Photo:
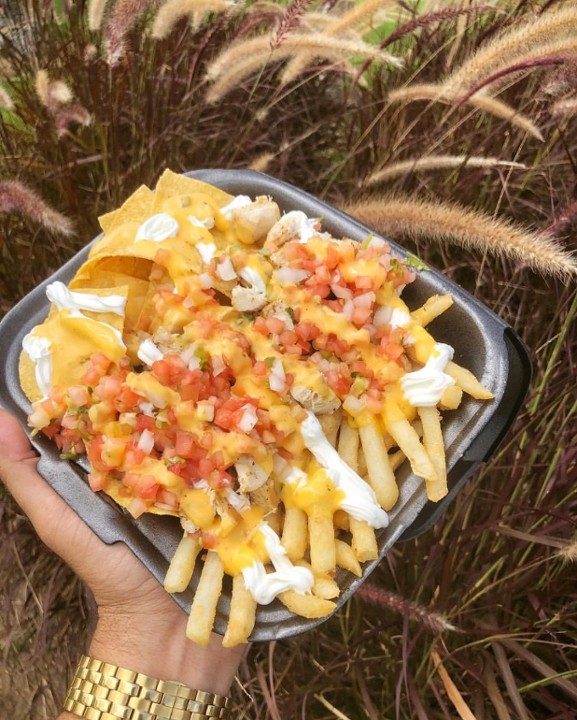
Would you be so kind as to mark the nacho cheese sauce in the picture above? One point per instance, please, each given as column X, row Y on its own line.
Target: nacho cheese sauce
column 206, row 347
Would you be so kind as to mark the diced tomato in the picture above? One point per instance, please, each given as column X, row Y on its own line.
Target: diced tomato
column 98, row 365
column 307, row 330
column 361, row 316
column 260, row 369
column 145, row 422
column 338, row 384
column 97, row 481
column 108, row 387
column 275, row 325
column 126, row 400
column 186, row 444
column 333, row 257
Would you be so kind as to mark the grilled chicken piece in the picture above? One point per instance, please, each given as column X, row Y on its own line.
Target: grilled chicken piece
column 314, row 401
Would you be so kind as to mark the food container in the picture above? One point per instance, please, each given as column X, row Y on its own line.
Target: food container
column 483, row 343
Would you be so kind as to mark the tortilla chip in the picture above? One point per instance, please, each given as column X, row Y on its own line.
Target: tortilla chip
column 172, row 184
column 114, row 490
column 136, row 209
column 27, row 375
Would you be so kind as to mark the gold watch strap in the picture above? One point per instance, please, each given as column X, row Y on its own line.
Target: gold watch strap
column 102, row 691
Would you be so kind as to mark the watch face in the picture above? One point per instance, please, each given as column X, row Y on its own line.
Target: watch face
column 482, row 342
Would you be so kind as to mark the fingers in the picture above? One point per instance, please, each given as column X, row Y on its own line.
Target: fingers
column 45, row 508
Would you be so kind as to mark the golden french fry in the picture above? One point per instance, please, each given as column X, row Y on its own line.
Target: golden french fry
column 451, row 398
column 364, row 543
column 242, row 614
column 380, row 474
column 203, row 609
column 435, row 447
column 467, row 381
column 322, row 542
column 325, row 587
column 408, row 441
column 346, row 558
column 308, row 606
column 295, row 533
column 433, row 307
column 348, row 446
column 181, row 566
column 397, row 459
column 330, row 424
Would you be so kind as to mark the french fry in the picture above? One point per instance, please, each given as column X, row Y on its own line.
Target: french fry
column 295, row 533
column 467, row 381
column 364, row 543
column 308, row 606
column 181, row 566
column 451, row 398
column 322, row 543
column 408, row 440
column 433, row 307
column 330, row 424
column 203, row 609
column 435, row 447
column 242, row 614
column 346, row 558
column 325, row 587
column 381, row 477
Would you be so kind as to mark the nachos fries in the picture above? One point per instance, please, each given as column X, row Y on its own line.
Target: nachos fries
column 256, row 378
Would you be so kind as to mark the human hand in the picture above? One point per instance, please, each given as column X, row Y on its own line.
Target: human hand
column 139, row 626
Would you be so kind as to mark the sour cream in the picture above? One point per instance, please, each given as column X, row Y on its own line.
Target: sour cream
column 236, row 203
column 157, row 228
column 66, row 299
column 39, row 350
column 265, row 586
column 360, row 500
column 424, row 387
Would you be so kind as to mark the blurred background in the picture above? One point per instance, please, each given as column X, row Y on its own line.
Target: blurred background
column 447, row 126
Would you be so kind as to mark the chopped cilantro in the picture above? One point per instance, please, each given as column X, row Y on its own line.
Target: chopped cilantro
column 367, row 241
column 415, row 263
column 291, row 313
column 269, row 361
column 202, row 354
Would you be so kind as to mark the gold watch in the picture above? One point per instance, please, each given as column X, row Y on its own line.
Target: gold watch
column 102, row 691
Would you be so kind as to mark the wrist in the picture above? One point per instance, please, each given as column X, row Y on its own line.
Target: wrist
column 159, row 647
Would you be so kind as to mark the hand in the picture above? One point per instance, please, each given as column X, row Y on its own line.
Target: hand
column 139, row 625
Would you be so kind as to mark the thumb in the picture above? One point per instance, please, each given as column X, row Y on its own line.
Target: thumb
column 18, row 462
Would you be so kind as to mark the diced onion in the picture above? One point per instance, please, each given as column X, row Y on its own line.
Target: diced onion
column 277, row 378
column 348, row 309
column 365, row 300
column 205, row 281
column 136, row 507
column 225, row 269
column 343, row 293
column 248, row 419
column 382, row 315
column 218, row 365
column 146, row 442
column 205, row 411
column 354, row 405
column 291, row 276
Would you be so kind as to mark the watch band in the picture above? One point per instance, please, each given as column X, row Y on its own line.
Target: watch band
column 102, row 691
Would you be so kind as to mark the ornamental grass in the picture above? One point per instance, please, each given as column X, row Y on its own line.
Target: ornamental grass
column 453, row 129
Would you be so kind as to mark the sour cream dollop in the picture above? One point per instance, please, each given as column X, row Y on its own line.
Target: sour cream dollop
column 236, row 203
column 39, row 350
column 157, row 228
column 360, row 500
column 263, row 586
column 424, row 387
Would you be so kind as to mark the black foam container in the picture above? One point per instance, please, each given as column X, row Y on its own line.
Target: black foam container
column 483, row 343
